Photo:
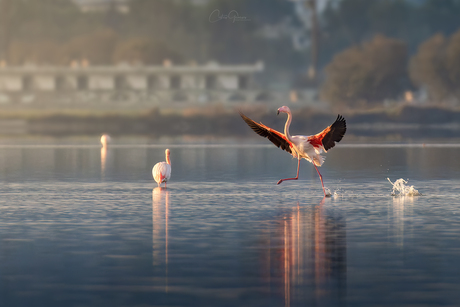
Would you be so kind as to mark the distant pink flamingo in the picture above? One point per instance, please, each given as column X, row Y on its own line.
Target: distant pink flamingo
column 301, row 146
column 161, row 172
column 105, row 140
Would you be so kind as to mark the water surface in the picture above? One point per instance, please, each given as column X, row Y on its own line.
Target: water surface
column 81, row 226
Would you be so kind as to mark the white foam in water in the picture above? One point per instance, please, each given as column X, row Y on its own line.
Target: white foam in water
column 337, row 194
column 328, row 192
column 401, row 189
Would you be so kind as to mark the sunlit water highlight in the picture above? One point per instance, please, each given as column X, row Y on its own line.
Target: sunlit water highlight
column 81, row 226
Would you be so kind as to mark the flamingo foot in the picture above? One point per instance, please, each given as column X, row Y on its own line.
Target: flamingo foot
column 281, row 180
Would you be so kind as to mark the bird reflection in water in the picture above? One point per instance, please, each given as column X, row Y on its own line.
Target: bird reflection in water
column 307, row 256
column 103, row 160
column 160, row 217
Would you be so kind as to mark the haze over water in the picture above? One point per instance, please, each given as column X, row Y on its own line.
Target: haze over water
column 80, row 226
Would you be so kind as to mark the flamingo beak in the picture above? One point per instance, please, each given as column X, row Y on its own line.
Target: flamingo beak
column 277, row 112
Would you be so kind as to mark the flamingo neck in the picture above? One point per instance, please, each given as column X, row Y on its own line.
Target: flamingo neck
column 287, row 125
column 168, row 160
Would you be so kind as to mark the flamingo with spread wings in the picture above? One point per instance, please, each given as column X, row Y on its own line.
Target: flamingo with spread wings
column 302, row 146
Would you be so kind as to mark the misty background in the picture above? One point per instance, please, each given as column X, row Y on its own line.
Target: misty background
column 383, row 61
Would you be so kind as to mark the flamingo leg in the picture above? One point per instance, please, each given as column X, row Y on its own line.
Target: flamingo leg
column 321, row 178
column 297, row 177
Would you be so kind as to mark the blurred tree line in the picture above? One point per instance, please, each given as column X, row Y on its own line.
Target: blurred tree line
column 417, row 31
column 422, row 53
column 367, row 73
column 57, row 32
column 381, row 68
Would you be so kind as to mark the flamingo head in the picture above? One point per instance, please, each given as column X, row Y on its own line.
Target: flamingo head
column 283, row 109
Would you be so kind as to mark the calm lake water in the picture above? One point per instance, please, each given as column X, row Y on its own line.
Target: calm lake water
column 81, row 226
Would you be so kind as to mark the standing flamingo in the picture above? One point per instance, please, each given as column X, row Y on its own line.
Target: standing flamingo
column 105, row 140
column 301, row 146
column 161, row 172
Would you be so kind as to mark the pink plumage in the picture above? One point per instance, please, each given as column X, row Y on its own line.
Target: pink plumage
column 308, row 147
column 105, row 140
column 161, row 172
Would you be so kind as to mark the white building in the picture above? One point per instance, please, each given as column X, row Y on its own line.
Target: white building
column 121, row 6
column 128, row 85
column 139, row 87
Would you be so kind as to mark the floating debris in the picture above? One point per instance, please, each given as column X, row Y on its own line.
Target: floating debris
column 401, row 189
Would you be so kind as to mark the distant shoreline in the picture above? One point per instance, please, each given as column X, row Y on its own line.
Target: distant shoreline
column 408, row 121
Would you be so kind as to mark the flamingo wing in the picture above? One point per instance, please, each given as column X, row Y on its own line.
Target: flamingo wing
column 332, row 134
column 161, row 172
column 274, row 136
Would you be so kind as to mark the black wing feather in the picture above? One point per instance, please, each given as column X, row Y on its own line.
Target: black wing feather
column 261, row 130
column 336, row 132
